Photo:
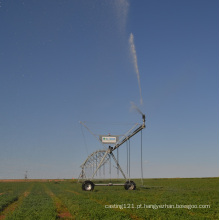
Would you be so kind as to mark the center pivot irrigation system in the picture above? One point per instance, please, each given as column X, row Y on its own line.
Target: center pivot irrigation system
column 99, row 158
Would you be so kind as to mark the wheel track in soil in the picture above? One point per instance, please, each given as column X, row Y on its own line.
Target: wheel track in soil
column 73, row 192
column 62, row 210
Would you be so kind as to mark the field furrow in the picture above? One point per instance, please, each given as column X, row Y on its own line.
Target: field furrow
column 35, row 205
column 11, row 193
column 61, row 209
column 10, row 208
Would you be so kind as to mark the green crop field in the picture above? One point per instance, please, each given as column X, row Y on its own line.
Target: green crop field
column 190, row 198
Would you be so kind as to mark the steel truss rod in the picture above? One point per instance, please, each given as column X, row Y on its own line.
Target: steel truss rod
column 90, row 161
column 106, row 153
column 82, row 175
column 131, row 135
column 101, row 163
column 92, row 133
column 118, row 166
column 125, row 135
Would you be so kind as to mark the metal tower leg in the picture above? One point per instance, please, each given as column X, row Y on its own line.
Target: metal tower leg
column 118, row 165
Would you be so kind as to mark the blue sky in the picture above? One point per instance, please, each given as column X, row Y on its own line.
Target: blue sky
column 66, row 61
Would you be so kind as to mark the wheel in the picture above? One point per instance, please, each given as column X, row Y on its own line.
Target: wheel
column 88, row 185
column 130, row 185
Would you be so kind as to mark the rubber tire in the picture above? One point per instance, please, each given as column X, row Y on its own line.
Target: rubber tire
column 88, row 185
column 130, row 185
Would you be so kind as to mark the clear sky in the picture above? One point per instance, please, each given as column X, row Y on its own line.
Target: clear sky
column 65, row 61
